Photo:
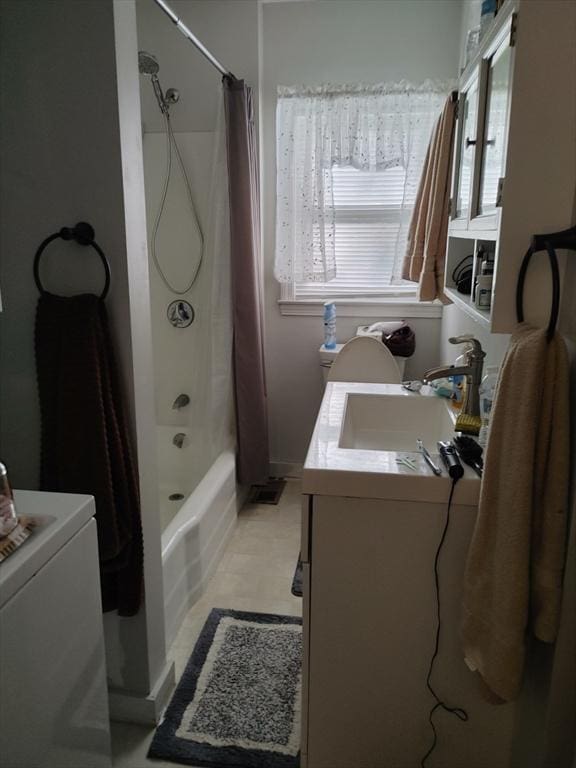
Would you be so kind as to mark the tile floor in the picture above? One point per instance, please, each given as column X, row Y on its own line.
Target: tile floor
column 255, row 574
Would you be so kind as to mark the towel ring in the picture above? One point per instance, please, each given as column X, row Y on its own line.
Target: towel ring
column 563, row 240
column 83, row 234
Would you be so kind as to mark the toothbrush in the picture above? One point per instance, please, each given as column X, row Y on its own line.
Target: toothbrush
column 428, row 458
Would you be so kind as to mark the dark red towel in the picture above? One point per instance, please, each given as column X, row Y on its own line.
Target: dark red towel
column 86, row 444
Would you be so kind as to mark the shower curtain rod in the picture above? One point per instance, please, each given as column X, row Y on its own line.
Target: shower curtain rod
column 193, row 39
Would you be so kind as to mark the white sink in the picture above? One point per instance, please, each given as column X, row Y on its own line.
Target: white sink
column 380, row 422
column 362, row 436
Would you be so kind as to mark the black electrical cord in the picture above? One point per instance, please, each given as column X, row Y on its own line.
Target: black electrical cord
column 461, row 267
column 458, row 711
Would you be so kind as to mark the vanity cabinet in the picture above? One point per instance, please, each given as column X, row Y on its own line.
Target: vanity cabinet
column 369, row 628
column 514, row 165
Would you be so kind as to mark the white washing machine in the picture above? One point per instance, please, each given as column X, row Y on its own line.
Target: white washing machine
column 53, row 693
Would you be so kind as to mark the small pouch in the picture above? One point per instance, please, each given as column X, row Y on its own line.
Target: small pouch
column 401, row 342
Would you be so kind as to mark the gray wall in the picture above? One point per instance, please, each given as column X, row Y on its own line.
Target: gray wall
column 60, row 163
column 337, row 41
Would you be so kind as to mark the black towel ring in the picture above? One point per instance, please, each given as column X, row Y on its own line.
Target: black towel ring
column 83, row 234
column 565, row 240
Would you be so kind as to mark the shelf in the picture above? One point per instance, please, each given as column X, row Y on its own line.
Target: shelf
column 465, row 303
column 473, row 234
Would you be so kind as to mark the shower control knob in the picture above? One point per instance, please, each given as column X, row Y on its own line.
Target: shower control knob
column 181, row 402
column 172, row 95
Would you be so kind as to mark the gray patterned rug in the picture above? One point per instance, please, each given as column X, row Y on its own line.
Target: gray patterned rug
column 238, row 702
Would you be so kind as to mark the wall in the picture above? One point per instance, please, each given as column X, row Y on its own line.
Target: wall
column 50, row 180
column 65, row 158
column 176, row 350
column 335, row 41
column 228, row 28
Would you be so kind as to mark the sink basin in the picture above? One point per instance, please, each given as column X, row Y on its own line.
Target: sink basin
column 377, row 422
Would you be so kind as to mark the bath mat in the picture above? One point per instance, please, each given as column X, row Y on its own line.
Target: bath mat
column 238, row 702
column 297, row 580
column 269, row 493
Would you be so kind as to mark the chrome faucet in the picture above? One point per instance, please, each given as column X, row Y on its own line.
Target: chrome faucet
column 180, row 402
column 178, row 439
column 472, row 370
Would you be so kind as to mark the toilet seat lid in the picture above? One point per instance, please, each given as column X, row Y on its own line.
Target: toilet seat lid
column 365, row 359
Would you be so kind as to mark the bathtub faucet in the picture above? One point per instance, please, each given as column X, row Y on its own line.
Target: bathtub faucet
column 178, row 439
column 180, row 402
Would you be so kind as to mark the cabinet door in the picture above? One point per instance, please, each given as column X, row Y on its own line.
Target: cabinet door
column 372, row 622
column 495, row 85
column 494, row 140
column 464, row 154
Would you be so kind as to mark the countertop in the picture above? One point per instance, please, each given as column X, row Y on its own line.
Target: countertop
column 334, row 471
column 59, row 517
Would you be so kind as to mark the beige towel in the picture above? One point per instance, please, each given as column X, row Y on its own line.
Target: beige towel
column 513, row 577
column 426, row 248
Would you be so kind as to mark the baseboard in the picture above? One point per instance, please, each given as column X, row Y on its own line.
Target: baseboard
column 127, row 707
column 242, row 493
column 285, row 469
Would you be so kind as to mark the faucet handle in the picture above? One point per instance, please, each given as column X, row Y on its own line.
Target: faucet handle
column 467, row 338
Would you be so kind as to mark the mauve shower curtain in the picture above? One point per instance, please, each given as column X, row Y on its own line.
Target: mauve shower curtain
column 248, row 355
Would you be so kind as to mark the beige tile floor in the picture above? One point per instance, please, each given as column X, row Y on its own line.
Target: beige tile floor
column 255, row 574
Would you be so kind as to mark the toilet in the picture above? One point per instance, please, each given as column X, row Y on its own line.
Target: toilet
column 363, row 359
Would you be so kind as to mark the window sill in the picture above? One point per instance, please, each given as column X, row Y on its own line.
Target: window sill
column 404, row 308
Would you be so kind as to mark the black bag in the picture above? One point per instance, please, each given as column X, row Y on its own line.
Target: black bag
column 401, row 342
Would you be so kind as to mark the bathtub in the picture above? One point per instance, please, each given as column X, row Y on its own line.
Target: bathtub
column 195, row 538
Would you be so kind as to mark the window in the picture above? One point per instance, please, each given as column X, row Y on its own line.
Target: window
column 371, row 223
column 348, row 163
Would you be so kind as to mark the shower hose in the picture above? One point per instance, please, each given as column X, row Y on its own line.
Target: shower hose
column 170, row 145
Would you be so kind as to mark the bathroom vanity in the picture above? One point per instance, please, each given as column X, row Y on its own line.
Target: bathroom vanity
column 370, row 531
column 53, row 694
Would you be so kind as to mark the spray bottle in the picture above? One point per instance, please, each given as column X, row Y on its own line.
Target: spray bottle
column 329, row 325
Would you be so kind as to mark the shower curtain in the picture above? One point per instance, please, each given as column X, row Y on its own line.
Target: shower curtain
column 211, row 410
column 248, row 356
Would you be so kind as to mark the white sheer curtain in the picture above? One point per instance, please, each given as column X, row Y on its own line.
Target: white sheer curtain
column 369, row 127
column 212, row 407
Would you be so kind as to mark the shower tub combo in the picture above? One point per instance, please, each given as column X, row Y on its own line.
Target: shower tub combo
column 194, row 539
column 189, row 265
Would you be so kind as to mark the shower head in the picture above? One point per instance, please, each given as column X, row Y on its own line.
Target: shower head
column 147, row 63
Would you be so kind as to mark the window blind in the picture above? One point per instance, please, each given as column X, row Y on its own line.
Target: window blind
column 371, row 215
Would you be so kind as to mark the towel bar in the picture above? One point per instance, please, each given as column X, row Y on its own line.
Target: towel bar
column 565, row 240
column 83, row 234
